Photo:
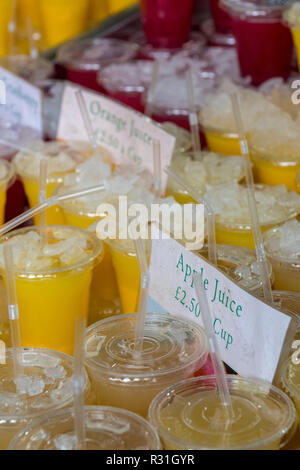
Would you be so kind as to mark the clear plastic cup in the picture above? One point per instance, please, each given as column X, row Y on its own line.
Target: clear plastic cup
column 218, row 141
column 290, row 382
column 167, row 23
column 62, row 157
column 264, row 43
column 282, row 249
column 53, row 282
column 106, row 429
column 127, row 82
column 82, row 59
column 190, row 416
column 61, row 21
column 240, row 264
column 46, row 387
column 31, row 70
column 99, row 11
column 173, row 349
column 6, row 16
column 7, row 178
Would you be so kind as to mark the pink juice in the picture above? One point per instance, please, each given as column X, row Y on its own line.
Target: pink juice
column 263, row 42
column 222, row 19
column 167, row 23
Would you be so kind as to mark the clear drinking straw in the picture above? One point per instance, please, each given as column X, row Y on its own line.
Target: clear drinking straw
column 52, row 201
column 13, row 312
column 42, row 199
column 86, row 118
column 78, row 384
column 211, row 228
column 151, row 90
column 193, row 117
column 143, row 300
column 222, row 384
column 259, row 246
column 157, row 169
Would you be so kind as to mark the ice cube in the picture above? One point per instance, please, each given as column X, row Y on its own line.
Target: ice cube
column 11, row 403
column 55, row 372
column 30, row 385
column 65, row 442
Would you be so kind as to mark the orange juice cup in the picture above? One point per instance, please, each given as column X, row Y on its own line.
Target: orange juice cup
column 46, row 386
column 107, row 428
column 53, row 285
column 61, row 21
column 285, row 259
column 226, row 143
column 62, row 159
column 173, row 349
column 7, row 176
column 6, row 8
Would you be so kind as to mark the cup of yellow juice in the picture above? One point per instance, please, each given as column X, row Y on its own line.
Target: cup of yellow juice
column 62, row 158
column 106, row 428
column 275, row 205
column 98, row 11
column 6, row 16
column 173, row 348
column 191, row 416
column 53, row 282
column 212, row 169
column 61, row 21
column 282, row 245
column 45, row 387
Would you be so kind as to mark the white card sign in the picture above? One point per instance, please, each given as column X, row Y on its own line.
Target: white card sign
column 22, row 103
column 250, row 333
column 126, row 134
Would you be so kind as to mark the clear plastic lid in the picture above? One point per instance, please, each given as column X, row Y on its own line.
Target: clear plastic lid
column 31, row 70
column 170, row 345
column 130, row 77
column 257, row 8
column 107, row 428
column 283, row 243
column 68, row 248
column 190, row 415
column 18, row 135
column 45, row 386
column 92, row 54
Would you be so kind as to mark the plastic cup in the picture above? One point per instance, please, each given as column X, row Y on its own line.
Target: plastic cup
column 127, row 82
column 82, row 59
column 218, row 141
column 98, row 11
column 7, row 176
column 6, row 16
column 291, row 17
column 221, row 18
column 290, row 382
column 279, row 166
column 286, row 264
column 166, row 22
column 65, row 157
column 104, row 298
column 173, row 349
column 106, row 428
column 263, row 42
column 117, row 5
column 241, row 266
column 61, row 21
column 54, row 288
column 47, row 385
column 190, row 416
column 31, row 70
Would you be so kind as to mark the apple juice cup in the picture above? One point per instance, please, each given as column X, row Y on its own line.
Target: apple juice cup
column 62, row 160
column 7, row 177
column 282, row 246
column 185, row 416
column 53, row 282
column 107, row 428
column 173, row 349
column 46, row 387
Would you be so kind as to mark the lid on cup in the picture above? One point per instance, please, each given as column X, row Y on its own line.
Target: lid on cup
column 18, row 135
column 283, row 243
column 127, row 77
column 31, row 70
column 92, row 54
column 171, row 345
column 190, row 415
column 107, row 428
column 256, row 8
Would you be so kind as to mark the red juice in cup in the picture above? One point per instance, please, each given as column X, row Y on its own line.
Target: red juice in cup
column 82, row 59
column 221, row 17
column 264, row 43
column 167, row 22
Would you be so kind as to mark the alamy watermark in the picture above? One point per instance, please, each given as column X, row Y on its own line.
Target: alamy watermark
column 134, row 221
column 2, row 92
